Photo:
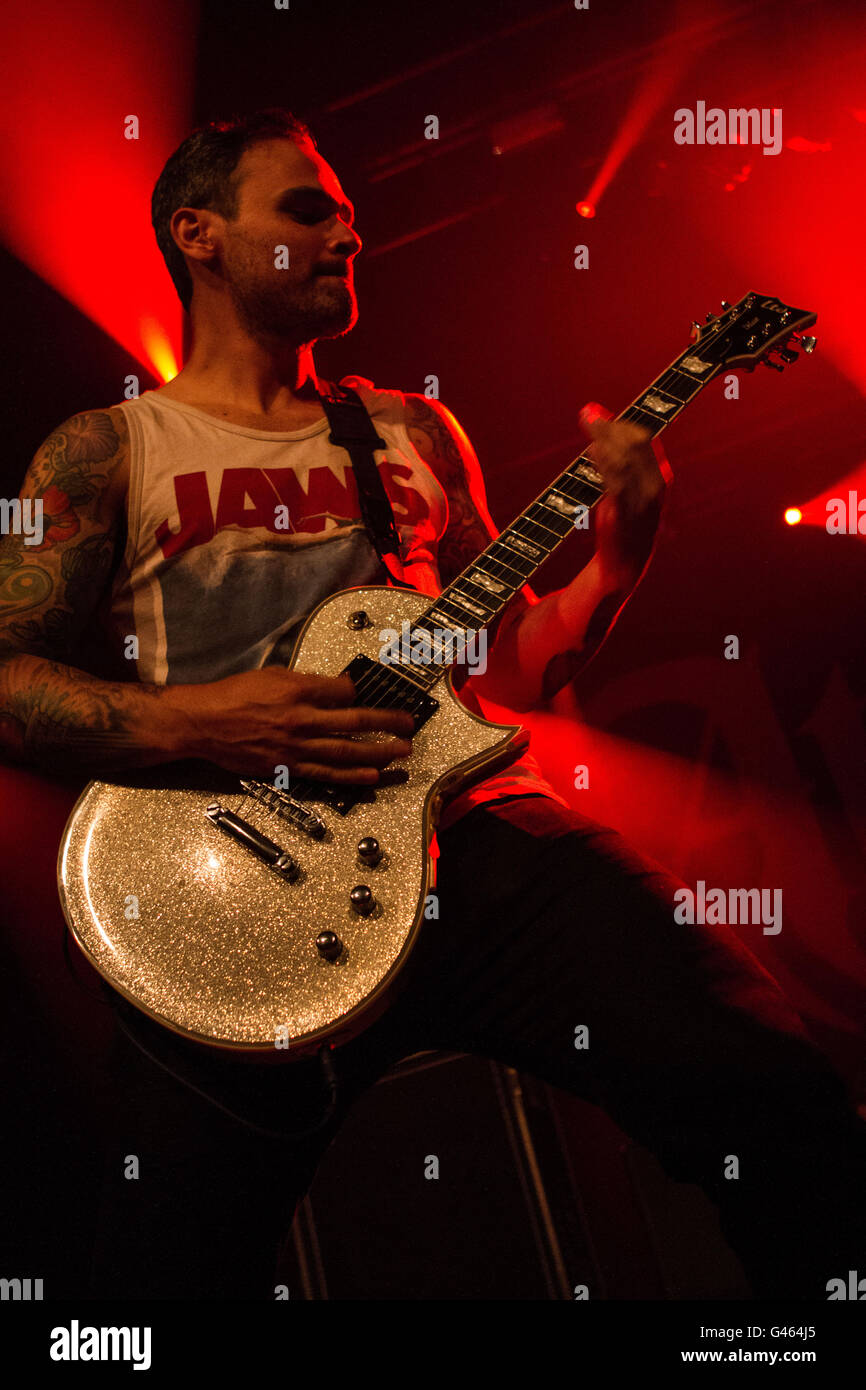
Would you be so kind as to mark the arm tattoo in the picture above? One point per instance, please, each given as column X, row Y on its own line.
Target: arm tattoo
column 63, row 720
column 563, row 667
column 465, row 535
column 58, row 709
column 84, row 570
column 64, row 477
column 66, row 459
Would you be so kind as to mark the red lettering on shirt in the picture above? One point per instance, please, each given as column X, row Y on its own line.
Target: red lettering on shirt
column 194, row 514
column 237, row 485
column 248, row 497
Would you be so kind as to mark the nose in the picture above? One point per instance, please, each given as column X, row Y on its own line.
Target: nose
column 346, row 240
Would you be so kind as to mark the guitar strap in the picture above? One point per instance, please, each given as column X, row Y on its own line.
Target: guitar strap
column 353, row 430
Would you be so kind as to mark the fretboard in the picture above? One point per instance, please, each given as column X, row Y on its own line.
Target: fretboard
column 472, row 600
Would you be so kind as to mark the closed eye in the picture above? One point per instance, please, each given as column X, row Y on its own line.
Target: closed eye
column 309, row 205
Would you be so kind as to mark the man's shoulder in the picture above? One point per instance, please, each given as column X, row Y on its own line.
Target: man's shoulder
column 433, row 431
column 410, row 403
column 95, row 434
column 94, row 442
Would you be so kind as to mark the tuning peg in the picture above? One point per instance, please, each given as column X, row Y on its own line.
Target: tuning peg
column 710, row 316
column 808, row 344
column 725, row 306
column 777, row 366
column 788, row 354
column 695, row 334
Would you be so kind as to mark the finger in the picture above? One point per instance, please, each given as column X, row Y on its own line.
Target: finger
column 357, row 719
column 592, row 416
column 328, row 691
column 349, row 752
column 345, row 776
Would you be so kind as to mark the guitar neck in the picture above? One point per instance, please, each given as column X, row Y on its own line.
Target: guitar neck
column 472, row 600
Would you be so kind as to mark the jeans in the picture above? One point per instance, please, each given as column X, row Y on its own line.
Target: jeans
column 547, row 923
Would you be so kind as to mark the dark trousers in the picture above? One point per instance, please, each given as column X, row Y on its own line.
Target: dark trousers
column 547, row 923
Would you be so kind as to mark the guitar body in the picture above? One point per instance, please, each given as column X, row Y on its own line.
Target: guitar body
column 197, row 929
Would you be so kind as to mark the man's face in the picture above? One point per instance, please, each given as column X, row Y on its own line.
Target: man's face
column 288, row 196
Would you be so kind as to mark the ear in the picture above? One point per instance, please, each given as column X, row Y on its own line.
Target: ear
column 195, row 232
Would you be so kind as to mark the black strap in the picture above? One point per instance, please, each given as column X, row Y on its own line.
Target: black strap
column 353, row 430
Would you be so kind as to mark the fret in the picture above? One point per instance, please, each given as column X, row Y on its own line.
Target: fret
column 673, row 388
column 644, row 417
column 566, row 507
column 688, row 374
column 483, row 580
column 446, row 601
column 696, row 366
column 507, row 561
column 588, row 478
column 659, row 403
column 523, row 548
column 471, row 607
column 534, row 521
column 480, row 594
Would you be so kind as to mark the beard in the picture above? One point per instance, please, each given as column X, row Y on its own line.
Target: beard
column 296, row 313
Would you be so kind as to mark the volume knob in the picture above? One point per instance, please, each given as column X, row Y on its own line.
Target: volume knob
column 362, row 900
column 369, row 850
column 329, row 945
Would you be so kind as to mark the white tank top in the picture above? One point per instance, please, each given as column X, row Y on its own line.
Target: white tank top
column 235, row 534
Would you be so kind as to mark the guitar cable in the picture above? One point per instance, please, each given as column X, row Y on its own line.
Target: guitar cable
column 328, row 1075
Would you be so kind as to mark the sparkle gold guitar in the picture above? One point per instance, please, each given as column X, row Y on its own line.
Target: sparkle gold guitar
column 265, row 919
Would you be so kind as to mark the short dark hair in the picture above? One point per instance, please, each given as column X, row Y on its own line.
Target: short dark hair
column 201, row 174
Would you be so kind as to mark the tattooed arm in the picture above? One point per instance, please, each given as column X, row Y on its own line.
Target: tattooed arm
column 52, row 714
column 539, row 645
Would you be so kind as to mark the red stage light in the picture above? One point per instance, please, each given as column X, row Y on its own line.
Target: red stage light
column 586, row 209
column 793, row 515
column 77, row 206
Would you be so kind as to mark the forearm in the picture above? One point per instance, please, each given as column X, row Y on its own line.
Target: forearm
column 550, row 642
column 60, row 719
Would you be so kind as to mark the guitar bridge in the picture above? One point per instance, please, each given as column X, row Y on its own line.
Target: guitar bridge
column 286, row 807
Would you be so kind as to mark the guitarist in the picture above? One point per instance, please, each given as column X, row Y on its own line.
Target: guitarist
column 161, row 551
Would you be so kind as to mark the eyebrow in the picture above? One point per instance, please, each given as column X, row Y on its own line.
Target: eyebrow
column 347, row 208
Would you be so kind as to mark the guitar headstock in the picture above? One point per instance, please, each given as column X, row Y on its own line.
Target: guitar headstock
column 744, row 334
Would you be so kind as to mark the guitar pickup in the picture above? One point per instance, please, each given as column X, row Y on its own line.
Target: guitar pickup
column 401, row 691
column 245, row 834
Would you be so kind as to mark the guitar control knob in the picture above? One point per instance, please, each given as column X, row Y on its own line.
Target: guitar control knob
column 362, row 900
column 358, row 619
column 329, row 945
column 369, row 850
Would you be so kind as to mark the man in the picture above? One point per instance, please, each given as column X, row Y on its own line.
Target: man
column 162, row 525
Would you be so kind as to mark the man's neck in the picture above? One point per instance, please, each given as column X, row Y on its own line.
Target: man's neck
column 248, row 378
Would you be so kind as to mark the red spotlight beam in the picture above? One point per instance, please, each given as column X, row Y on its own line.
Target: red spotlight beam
column 664, row 71
column 78, row 189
